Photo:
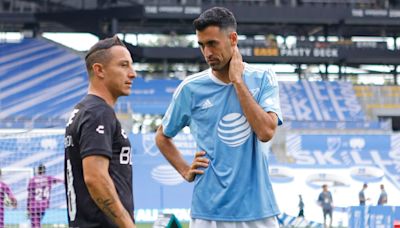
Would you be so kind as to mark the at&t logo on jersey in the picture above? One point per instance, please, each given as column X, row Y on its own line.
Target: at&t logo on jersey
column 234, row 129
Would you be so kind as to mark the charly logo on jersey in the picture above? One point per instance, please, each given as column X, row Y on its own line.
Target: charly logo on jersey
column 100, row 129
column 233, row 129
column 123, row 134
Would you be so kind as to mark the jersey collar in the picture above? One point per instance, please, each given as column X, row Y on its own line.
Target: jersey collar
column 218, row 81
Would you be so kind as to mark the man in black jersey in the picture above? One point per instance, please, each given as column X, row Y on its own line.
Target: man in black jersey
column 98, row 168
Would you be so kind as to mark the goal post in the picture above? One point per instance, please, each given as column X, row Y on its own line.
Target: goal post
column 21, row 152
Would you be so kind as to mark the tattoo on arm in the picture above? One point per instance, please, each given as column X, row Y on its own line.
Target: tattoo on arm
column 105, row 205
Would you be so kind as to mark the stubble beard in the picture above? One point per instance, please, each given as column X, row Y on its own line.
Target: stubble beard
column 217, row 67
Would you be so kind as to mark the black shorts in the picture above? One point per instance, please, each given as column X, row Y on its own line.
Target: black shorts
column 327, row 211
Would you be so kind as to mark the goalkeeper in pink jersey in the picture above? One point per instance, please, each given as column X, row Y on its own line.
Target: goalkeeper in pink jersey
column 5, row 190
column 39, row 189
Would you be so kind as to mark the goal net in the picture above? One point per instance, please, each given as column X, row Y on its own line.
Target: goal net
column 21, row 155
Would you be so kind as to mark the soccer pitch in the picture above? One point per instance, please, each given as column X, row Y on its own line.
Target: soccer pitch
column 138, row 225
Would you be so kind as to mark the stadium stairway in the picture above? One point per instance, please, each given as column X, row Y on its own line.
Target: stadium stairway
column 286, row 220
column 40, row 81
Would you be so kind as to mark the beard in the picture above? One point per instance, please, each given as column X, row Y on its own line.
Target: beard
column 216, row 65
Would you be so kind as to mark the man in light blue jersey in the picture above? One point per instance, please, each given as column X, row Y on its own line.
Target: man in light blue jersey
column 231, row 109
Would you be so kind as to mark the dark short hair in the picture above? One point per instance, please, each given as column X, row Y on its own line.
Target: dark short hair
column 98, row 53
column 41, row 169
column 216, row 16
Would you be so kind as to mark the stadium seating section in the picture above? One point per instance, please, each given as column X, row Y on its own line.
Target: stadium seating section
column 41, row 81
column 378, row 97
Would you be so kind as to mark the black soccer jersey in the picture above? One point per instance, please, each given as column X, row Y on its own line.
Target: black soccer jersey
column 93, row 129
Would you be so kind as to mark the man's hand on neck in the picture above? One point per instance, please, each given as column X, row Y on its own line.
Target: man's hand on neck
column 236, row 67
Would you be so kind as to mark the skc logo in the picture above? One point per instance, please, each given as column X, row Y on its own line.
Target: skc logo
column 234, row 129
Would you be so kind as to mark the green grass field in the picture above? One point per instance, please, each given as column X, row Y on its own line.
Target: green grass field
column 138, row 225
column 150, row 225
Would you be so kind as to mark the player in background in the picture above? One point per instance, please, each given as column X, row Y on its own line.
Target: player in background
column 39, row 189
column 232, row 108
column 5, row 191
column 362, row 195
column 325, row 200
column 383, row 197
column 301, row 207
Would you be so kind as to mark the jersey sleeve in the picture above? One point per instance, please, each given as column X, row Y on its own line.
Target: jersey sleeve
column 31, row 191
column 54, row 180
column 320, row 199
column 269, row 100
column 7, row 190
column 97, row 130
column 178, row 114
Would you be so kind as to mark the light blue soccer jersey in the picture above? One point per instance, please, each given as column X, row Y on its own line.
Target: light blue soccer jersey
column 236, row 185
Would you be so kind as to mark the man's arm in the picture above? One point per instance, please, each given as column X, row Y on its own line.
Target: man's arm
column 321, row 199
column 361, row 196
column 174, row 157
column 30, row 194
column 263, row 123
column 102, row 190
column 55, row 180
column 11, row 196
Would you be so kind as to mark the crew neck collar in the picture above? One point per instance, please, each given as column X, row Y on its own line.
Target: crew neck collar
column 218, row 81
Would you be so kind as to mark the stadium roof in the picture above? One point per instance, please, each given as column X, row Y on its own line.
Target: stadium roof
column 254, row 17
